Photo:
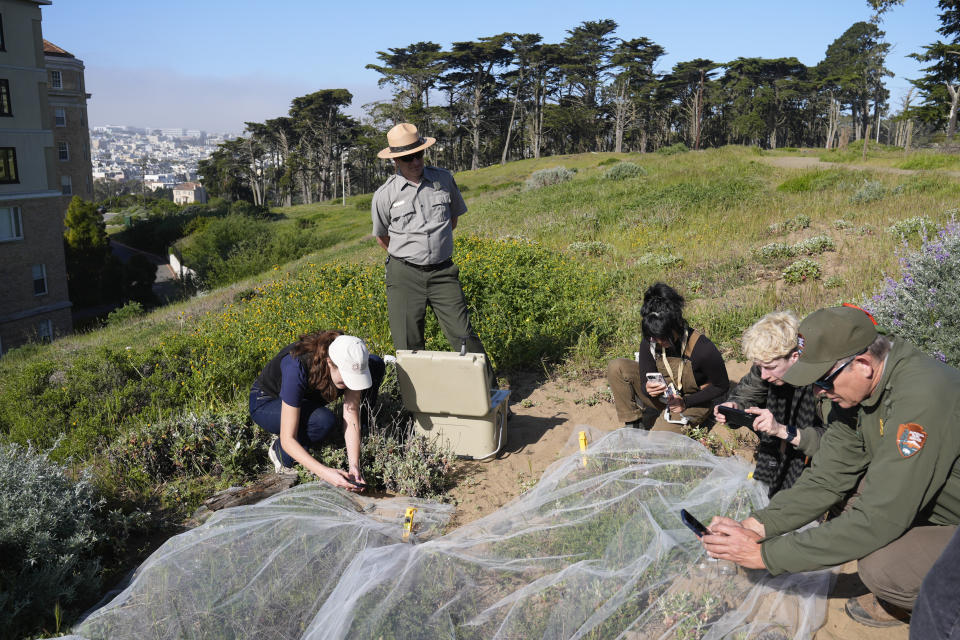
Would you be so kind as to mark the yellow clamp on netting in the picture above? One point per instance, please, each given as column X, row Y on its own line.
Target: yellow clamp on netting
column 750, row 476
column 408, row 522
column 583, row 445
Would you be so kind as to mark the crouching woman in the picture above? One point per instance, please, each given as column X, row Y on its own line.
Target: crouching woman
column 290, row 397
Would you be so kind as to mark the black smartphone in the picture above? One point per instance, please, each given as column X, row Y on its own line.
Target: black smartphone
column 692, row 523
column 736, row 417
column 357, row 484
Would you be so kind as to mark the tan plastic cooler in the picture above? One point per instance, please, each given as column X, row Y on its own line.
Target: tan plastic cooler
column 450, row 397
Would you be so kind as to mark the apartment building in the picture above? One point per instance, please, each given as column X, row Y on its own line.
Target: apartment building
column 34, row 303
column 67, row 97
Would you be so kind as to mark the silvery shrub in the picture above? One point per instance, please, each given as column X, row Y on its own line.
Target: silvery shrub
column 923, row 304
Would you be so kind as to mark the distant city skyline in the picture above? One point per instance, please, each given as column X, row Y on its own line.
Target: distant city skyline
column 215, row 64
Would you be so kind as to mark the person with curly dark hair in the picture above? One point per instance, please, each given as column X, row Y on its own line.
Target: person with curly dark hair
column 290, row 396
column 687, row 375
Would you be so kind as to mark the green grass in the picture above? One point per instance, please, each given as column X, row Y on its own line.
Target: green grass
column 930, row 161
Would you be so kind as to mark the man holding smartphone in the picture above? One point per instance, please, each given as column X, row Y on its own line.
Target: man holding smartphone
column 893, row 439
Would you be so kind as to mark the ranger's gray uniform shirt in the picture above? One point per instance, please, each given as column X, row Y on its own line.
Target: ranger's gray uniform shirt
column 418, row 217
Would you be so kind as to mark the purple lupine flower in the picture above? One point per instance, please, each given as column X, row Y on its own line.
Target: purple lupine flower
column 937, row 324
column 939, row 355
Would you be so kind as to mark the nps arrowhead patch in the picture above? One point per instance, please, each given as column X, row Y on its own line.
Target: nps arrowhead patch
column 910, row 439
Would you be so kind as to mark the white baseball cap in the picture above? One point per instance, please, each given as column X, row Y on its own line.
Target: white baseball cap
column 352, row 359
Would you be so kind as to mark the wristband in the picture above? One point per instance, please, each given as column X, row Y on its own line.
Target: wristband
column 791, row 433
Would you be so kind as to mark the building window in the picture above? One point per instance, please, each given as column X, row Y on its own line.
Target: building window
column 45, row 331
column 11, row 224
column 56, row 80
column 8, row 165
column 6, row 108
column 63, row 151
column 66, row 185
column 60, row 116
column 3, row 41
column 39, row 279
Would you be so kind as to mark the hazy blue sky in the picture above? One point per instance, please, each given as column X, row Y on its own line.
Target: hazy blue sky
column 212, row 64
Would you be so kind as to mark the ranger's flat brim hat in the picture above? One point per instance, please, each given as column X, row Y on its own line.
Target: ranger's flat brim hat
column 826, row 336
column 404, row 139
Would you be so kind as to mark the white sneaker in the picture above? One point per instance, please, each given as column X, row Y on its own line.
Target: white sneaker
column 274, row 454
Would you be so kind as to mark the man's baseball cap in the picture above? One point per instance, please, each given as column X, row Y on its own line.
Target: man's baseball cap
column 352, row 358
column 826, row 336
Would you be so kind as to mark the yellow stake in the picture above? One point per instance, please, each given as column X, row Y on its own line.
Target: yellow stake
column 583, row 445
column 408, row 522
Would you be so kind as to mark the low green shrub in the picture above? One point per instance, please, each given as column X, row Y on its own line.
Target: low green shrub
column 802, row 270
column 590, row 248
column 234, row 247
column 661, row 260
column 249, row 210
column 407, row 463
column 833, row 282
column 528, row 304
column 923, row 303
column 796, row 223
column 607, row 162
column 775, row 251
column 51, row 526
column 125, row 313
column 223, row 442
column 673, row 149
column 919, row 225
column 871, row 191
column 548, row 177
column 623, row 171
column 815, row 245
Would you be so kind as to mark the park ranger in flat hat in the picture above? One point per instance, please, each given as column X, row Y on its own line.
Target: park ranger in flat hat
column 893, row 437
column 414, row 215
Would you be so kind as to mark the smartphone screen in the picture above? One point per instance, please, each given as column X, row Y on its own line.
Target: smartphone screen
column 693, row 524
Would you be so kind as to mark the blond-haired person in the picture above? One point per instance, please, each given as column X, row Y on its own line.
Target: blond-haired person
column 788, row 419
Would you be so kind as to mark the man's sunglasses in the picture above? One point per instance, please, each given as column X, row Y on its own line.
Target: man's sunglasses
column 411, row 157
column 826, row 382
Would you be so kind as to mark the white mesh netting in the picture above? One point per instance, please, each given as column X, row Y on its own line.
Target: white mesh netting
column 595, row 550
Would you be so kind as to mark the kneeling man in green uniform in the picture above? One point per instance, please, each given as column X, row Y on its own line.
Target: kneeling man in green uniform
column 893, row 437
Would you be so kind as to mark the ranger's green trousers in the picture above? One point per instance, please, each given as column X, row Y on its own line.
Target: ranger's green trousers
column 410, row 290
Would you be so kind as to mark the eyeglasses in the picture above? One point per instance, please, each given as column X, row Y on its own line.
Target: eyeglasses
column 826, row 382
column 411, row 157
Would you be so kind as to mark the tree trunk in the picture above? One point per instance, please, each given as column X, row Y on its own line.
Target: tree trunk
column 833, row 121
column 866, row 137
column 954, row 99
column 513, row 115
